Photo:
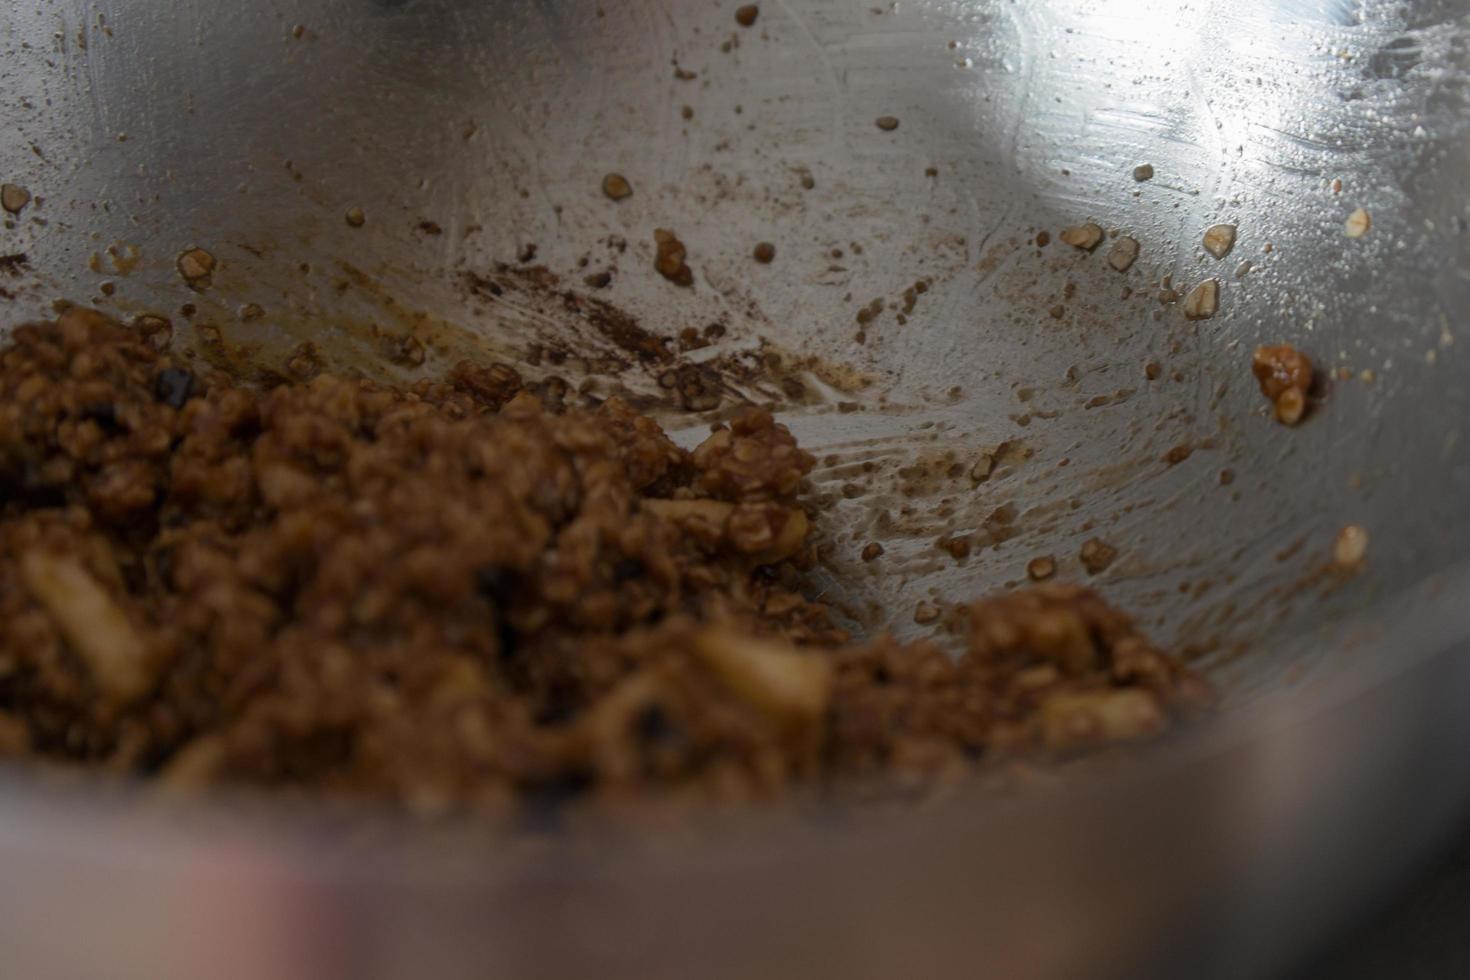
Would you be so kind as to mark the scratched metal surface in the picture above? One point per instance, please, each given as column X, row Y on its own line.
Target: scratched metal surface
column 251, row 133
column 250, row 130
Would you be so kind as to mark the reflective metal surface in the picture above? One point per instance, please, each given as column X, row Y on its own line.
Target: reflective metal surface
column 469, row 131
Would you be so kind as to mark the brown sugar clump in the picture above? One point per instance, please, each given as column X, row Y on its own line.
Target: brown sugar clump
column 196, row 266
column 616, row 186
column 1097, row 556
column 958, row 547
column 1285, row 376
column 670, row 258
column 14, row 198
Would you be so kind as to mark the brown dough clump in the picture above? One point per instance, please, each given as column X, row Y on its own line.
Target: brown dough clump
column 452, row 599
column 1285, row 376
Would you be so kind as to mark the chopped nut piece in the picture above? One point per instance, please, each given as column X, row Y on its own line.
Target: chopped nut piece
column 887, row 123
column 670, row 260
column 1351, row 547
column 764, row 253
column 1143, row 172
column 1097, row 555
column 1041, row 569
column 1219, row 240
column 872, row 552
column 196, row 266
column 616, row 186
column 1357, row 224
column 92, row 623
column 1285, row 376
column 982, row 469
column 925, row 613
column 1075, row 721
column 1085, row 237
column 14, row 198
column 1123, row 254
column 1203, row 301
column 746, row 16
column 1291, row 406
column 781, row 680
column 356, row 217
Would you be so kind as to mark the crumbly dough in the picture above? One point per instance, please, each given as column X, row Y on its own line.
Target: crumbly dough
column 452, row 598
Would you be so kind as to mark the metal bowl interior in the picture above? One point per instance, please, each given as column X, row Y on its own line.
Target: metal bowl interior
column 470, row 132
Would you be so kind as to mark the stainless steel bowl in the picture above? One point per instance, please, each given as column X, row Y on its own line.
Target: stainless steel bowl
column 469, row 131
